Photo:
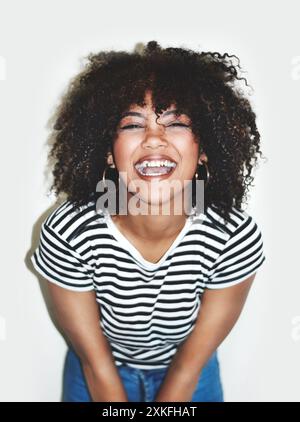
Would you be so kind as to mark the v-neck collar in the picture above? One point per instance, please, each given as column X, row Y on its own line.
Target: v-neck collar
column 134, row 251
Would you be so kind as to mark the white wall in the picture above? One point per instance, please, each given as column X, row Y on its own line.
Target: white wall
column 41, row 47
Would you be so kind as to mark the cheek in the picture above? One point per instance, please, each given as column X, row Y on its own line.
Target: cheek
column 189, row 154
column 186, row 145
column 123, row 154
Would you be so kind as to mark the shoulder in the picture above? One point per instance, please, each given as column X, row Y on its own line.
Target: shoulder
column 63, row 256
column 69, row 221
column 238, row 227
column 238, row 232
column 239, row 250
column 227, row 226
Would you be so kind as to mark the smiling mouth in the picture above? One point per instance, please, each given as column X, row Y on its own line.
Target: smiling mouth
column 155, row 168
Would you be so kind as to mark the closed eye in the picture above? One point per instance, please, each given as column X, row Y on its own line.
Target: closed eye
column 178, row 124
column 137, row 126
column 129, row 126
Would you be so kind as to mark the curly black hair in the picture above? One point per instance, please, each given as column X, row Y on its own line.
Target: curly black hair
column 203, row 85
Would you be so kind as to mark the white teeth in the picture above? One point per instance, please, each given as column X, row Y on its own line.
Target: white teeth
column 166, row 164
column 156, row 163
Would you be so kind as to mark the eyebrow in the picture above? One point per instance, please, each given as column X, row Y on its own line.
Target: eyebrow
column 135, row 113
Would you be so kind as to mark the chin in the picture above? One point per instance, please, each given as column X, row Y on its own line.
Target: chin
column 145, row 203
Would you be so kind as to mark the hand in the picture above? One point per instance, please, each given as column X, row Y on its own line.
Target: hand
column 177, row 387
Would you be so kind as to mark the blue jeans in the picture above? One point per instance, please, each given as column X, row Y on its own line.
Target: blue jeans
column 141, row 385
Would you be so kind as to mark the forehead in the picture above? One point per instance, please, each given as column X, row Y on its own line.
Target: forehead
column 140, row 112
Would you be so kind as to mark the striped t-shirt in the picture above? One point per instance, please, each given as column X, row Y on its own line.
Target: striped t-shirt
column 147, row 309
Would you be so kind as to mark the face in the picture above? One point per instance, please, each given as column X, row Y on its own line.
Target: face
column 156, row 158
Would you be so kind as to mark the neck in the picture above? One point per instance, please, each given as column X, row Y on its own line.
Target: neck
column 155, row 224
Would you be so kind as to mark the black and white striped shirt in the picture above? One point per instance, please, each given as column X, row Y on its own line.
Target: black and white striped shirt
column 147, row 309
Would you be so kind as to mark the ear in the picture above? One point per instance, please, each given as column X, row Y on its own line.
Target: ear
column 202, row 157
column 109, row 159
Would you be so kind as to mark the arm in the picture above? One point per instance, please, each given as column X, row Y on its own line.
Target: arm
column 77, row 314
column 219, row 311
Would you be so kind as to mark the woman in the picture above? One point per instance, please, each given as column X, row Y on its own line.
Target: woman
column 145, row 298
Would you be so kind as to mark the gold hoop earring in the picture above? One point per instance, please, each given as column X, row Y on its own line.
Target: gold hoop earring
column 207, row 173
column 103, row 176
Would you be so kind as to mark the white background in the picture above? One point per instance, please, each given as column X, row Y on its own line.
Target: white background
column 42, row 44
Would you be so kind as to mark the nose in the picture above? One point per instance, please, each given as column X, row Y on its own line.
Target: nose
column 155, row 137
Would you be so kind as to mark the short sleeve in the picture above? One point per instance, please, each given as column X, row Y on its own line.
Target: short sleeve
column 242, row 255
column 57, row 261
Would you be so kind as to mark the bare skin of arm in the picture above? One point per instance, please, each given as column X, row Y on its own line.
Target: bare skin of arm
column 219, row 311
column 78, row 314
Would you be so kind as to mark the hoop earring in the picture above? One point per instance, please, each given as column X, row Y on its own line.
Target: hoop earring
column 103, row 177
column 207, row 173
